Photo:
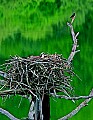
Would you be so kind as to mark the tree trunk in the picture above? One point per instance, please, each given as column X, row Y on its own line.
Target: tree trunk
column 46, row 108
column 39, row 110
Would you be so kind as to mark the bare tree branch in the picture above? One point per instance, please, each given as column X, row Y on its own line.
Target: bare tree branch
column 72, row 98
column 74, row 37
column 9, row 115
column 75, row 111
column 31, row 111
column 11, row 91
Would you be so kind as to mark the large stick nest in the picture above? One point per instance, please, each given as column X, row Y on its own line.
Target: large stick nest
column 44, row 74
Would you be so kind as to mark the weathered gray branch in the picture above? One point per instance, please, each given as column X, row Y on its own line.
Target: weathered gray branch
column 74, row 37
column 83, row 104
column 38, row 108
column 72, row 98
column 11, row 91
column 31, row 111
column 9, row 115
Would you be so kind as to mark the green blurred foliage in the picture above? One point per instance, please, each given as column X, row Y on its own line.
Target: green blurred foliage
column 34, row 18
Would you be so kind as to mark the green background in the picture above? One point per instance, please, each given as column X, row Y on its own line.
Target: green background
column 29, row 27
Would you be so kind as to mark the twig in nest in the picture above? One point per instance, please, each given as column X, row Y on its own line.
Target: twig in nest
column 40, row 75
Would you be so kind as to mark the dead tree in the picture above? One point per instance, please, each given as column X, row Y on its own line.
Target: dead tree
column 41, row 77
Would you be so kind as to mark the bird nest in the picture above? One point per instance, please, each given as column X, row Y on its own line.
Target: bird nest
column 44, row 74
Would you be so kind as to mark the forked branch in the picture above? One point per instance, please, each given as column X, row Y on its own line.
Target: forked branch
column 74, row 38
column 77, row 109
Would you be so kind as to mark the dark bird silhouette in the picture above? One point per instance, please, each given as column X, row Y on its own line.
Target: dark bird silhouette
column 72, row 17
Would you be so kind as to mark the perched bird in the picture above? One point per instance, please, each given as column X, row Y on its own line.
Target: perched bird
column 42, row 55
column 72, row 17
